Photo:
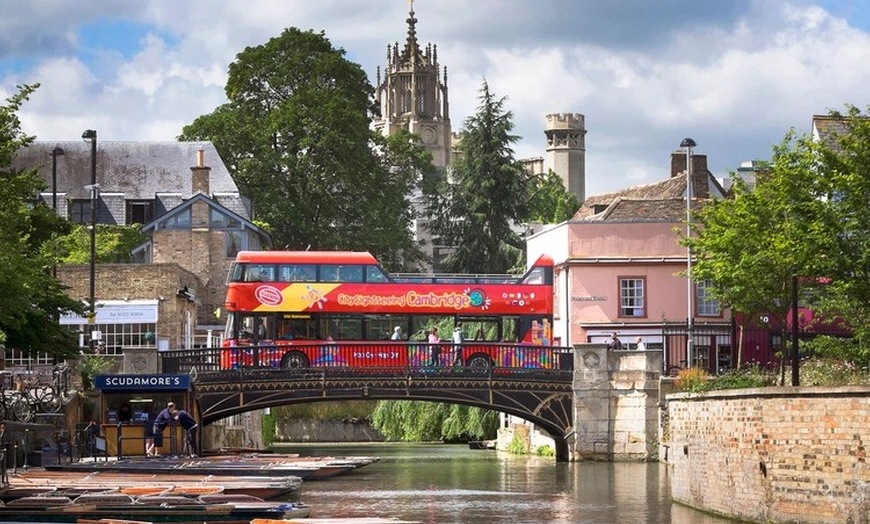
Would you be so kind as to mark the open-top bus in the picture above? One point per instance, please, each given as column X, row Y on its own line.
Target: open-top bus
column 325, row 308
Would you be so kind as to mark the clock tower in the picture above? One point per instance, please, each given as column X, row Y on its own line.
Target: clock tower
column 412, row 95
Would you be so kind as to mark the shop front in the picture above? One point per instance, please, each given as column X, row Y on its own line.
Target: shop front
column 129, row 404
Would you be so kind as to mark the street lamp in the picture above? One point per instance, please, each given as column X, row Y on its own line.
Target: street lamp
column 688, row 144
column 90, row 135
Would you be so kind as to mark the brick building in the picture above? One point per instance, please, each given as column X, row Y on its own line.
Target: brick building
column 195, row 221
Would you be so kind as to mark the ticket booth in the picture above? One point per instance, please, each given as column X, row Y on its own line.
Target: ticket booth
column 129, row 403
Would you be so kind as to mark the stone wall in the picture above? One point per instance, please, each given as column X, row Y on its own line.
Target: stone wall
column 616, row 403
column 773, row 454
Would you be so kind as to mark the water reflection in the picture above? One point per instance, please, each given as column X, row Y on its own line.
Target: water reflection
column 438, row 484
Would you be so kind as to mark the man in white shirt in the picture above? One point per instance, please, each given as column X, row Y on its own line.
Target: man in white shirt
column 640, row 344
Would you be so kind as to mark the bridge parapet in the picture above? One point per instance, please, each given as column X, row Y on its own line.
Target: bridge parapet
column 615, row 403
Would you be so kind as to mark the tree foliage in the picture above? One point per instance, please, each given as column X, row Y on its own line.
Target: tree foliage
column 552, row 203
column 415, row 421
column 31, row 299
column 295, row 135
column 114, row 244
column 487, row 195
column 808, row 216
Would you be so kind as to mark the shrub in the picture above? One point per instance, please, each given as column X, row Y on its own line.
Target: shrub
column 545, row 451
column 517, row 446
column 748, row 377
column 832, row 372
column 692, row 380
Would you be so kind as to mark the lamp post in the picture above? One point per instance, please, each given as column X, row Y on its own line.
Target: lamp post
column 90, row 135
column 56, row 152
column 688, row 144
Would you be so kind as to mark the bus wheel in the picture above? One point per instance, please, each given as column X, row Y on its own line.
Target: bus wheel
column 294, row 360
column 479, row 363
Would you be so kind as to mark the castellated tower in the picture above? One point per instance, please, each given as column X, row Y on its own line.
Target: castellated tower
column 413, row 96
column 566, row 150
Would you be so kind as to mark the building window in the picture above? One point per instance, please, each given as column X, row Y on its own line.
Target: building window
column 80, row 212
column 179, row 220
column 708, row 306
column 218, row 220
column 233, row 243
column 140, row 211
column 632, row 297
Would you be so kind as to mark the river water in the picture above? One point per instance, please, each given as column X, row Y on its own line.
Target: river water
column 453, row 484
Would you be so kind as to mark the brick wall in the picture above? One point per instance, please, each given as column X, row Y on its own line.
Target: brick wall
column 773, row 454
column 138, row 281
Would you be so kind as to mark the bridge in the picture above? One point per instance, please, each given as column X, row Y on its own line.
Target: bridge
column 542, row 395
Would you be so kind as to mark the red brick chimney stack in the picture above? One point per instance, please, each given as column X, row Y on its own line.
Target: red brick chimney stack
column 200, row 175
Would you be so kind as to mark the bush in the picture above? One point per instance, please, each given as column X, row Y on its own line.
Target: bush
column 748, row 377
column 517, row 446
column 545, row 451
column 832, row 372
column 692, row 380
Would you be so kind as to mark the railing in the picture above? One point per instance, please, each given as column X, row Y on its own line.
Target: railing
column 410, row 356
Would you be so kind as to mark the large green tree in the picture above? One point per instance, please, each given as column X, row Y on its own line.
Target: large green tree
column 31, row 298
column 845, row 185
column 807, row 217
column 295, row 135
column 485, row 197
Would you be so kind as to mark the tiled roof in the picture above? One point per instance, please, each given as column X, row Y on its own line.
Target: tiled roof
column 665, row 200
column 139, row 170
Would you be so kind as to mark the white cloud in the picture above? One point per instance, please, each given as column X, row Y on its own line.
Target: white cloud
column 733, row 74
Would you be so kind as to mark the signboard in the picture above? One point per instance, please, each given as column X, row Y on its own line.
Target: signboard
column 163, row 382
column 117, row 312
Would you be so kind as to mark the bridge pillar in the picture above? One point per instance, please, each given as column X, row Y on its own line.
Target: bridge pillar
column 615, row 403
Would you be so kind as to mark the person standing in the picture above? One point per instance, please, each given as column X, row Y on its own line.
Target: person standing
column 188, row 425
column 458, row 339
column 640, row 345
column 148, row 430
column 614, row 343
column 160, row 422
column 434, row 347
column 397, row 333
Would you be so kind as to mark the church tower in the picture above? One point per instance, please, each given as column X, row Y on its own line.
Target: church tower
column 412, row 96
column 566, row 151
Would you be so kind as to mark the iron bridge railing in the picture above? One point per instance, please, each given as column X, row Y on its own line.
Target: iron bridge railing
column 391, row 358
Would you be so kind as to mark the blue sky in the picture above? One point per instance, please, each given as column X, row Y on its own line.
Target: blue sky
column 734, row 75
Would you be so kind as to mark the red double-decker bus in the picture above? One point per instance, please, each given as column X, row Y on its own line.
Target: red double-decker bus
column 325, row 308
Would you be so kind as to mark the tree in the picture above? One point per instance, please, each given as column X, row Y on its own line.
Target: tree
column 845, row 185
column 552, row 203
column 416, row 421
column 486, row 197
column 32, row 299
column 295, row 135
column 751, row 246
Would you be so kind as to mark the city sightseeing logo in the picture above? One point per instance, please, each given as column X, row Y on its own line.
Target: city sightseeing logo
column 269, row 295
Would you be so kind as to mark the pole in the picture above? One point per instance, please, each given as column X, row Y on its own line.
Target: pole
column 56, row 152
column 92, row 306
column 795, row 358
column 688, row 143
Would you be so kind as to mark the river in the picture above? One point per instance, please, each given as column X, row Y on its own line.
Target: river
column 453, row 484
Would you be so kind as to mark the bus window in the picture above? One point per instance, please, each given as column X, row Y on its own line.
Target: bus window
column 510, row 329
column 297, row 273
column 339, row 273
column 296, row 329
column 341, row 327
column 374, row 274
column 535, row 276
column 380, row 327
column 421, row 324
column 259, row 273
column 480, row 329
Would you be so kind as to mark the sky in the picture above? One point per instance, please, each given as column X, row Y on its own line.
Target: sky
column 734, row 75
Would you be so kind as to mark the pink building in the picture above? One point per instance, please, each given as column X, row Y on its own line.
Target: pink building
column 621, row 268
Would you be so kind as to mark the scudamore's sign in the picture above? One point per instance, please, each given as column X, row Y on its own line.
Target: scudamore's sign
column 142, row 382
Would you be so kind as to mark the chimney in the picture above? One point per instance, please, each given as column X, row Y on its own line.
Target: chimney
column 200, row 175
column 699, row 171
